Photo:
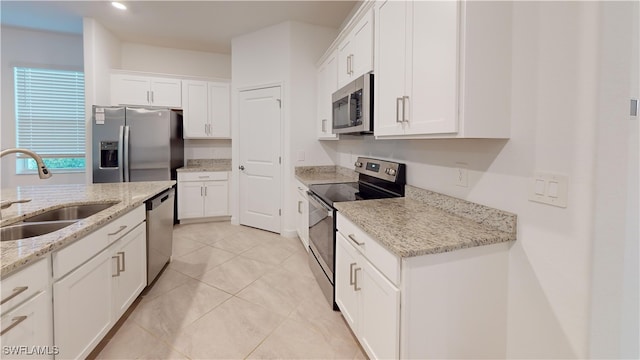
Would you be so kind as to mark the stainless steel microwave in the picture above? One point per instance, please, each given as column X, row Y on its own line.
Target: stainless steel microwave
column 352, row 110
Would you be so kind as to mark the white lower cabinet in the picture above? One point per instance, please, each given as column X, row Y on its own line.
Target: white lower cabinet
column 369, row 302
column 91, row 298
column 302, row 215
column 439, row 306
column 27, row 326
column 203, row 194
column 82, row 307
column 130, row 269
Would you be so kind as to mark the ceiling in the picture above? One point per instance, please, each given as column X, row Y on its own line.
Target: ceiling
column 190, row 25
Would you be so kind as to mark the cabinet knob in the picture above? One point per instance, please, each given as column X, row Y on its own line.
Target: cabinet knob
column 241, row 167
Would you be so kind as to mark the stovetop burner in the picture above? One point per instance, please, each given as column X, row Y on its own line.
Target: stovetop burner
column 350, row 191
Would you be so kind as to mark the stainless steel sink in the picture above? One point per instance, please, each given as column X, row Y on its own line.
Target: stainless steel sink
column 25, row 230
column 71, row 212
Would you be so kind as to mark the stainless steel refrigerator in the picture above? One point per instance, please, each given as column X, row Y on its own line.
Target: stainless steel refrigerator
column 136, row 144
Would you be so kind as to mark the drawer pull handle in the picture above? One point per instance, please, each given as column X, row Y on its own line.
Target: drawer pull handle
column 353, row 238
column 121, row 228
column 15, row 321
column 203, row 177
column 355, row 279
column 17, row 291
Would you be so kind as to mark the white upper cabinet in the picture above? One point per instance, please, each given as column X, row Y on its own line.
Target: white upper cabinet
column 442, row 69
column 219, row 109
column 195, row 114
column 327, row 84
column 355, row 52
column 206, row 111
column 145, row 90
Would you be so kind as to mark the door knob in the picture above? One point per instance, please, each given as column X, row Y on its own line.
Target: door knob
column 241, row 167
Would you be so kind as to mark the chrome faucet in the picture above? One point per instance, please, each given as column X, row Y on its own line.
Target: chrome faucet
column 43, row 172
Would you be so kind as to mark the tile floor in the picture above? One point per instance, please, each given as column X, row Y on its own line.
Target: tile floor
column 233, row 292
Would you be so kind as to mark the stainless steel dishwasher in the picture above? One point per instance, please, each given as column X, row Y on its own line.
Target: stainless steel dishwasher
column 159, row 232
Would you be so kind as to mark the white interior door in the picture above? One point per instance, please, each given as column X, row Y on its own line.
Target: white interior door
column 259, row 116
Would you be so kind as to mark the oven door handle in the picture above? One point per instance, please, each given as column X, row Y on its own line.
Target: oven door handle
column 318, row 202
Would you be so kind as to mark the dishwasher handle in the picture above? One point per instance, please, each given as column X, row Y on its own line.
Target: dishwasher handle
column 157, row 200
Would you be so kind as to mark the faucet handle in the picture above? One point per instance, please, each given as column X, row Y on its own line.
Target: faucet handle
column 7, row 203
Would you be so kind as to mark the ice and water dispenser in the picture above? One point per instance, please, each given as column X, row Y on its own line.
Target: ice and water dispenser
column 108, row 154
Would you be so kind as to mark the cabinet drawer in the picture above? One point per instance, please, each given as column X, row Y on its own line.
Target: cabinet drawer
column 203, row 176
column 82, row 250
column 24, row 284
column 386, row 262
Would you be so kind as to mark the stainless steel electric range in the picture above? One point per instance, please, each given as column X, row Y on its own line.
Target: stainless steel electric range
column 377, row 179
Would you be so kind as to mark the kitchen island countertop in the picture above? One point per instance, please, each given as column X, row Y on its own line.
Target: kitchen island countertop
column 126, row 196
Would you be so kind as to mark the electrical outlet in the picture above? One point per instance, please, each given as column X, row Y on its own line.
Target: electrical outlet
column 462, row 175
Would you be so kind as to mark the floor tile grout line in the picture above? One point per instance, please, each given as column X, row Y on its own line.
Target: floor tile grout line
column 160, row 339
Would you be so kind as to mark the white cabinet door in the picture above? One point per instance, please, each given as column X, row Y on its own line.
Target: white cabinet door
column 166, row 92
column 130, row 90
column 347, row 294
column 30, row 324
column 302, row 217
column 190, row 203
column 431, row 102
column 195, row 112
column 216, row 198
column 362, row 60
column 355, row 53
column 345, row 53
column 130, row 267
column 391, row 46
column 380, row 318
column 219, row 110
column 327, row 85
column 145, row 90
column 83, row 310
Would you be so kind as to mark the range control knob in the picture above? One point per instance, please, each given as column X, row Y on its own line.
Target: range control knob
column 391, row 171
column 358, row 164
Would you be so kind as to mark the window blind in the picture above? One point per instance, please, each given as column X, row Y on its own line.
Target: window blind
column 50, row 111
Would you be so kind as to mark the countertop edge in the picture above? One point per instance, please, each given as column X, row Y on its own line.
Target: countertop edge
column 84, row 227
column 493, row 235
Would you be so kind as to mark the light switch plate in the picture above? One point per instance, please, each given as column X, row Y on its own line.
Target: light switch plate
column 548, row 188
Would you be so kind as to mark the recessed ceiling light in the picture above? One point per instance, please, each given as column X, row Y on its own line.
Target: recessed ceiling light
column 118, row 5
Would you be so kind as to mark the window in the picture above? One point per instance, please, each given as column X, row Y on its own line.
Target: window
column 50, row 118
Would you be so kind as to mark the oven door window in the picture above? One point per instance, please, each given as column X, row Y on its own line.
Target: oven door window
column 341, row 113
column 321, row 234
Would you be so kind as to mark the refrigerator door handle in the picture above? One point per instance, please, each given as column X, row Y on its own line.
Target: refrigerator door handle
column 126, row 153
column 121, row 153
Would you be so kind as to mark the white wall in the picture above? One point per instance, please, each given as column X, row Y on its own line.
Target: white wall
column 555, row 98
column 207, row 149
column 101, row 54
column 140, row 57
column 283, row 54
column 615, row 300
column 22, row 47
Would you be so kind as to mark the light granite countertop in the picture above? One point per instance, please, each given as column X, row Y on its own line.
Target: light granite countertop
column 310, row 175
column 195, row 165
column 426, row 222
column 18, row 253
